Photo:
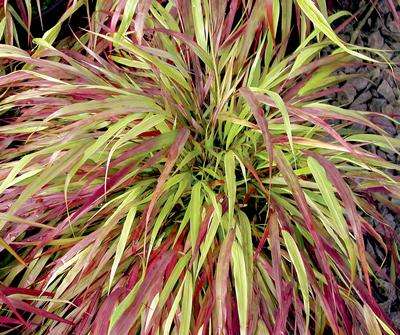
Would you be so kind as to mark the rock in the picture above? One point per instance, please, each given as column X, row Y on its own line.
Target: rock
column 359, row 83
column 387, row 48
column 390, row 220
column 377, row 105
column 375, row 93
column 346, row 37
column 358, row 107
column 395, row 36
column 358, row 128
column 386, row 125
column 349, row 5
column 386, row 91
column 363, row 97
column 359, row 41
column 375, row 74
column 390, row 80
column 392, row 157
column 375, row 40
column 396, row 91
column 349, row 70
column 388, row 110
column 381, row 154
column 396, row 48
column 347, row 95
column 396, row 58
column 383, row 8
column 395, row 317
column 392, row 25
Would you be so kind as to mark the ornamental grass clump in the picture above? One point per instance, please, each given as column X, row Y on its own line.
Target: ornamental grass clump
column 177, row 169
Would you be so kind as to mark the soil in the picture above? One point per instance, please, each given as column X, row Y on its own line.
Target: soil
column 376, row 88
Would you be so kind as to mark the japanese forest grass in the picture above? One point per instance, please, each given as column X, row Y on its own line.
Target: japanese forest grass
column 174, row 170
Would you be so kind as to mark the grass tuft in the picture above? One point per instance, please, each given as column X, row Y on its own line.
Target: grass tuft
column 177, row 169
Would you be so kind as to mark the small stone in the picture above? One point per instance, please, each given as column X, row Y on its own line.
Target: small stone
column 376, row 40
column 388, row 110
column 395, row 36
column 358, row 107
column 392, row 25
column 363, row 97
column 348, row 5
column 375, row 74
column 395, row 318
column 347, row 95
column 386, row 125
column 359, row 41
column 392, row 157
column 364, row 70
column 395, row 48
column 386, row 91
column 391, row 82
column 349, row 70
column 387, row 48
column 379, row 24
column 374, row 93
column 396, row 58
column 359, row 83
column 390, row 219
column 381, row 154
column 377, row 105
column 358, row 128
column 345, row 37
column 383, row 8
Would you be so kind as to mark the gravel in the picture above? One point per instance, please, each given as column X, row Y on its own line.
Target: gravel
column 375, row 89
